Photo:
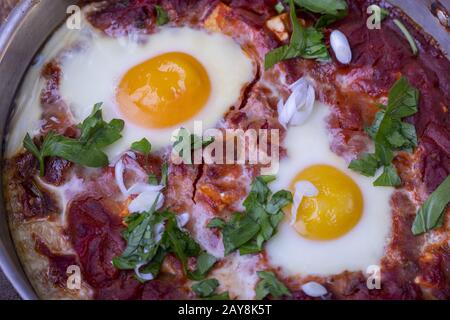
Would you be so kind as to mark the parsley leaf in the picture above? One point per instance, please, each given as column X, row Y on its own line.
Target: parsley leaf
column 86, row 150
column 151, row 236
column 204, row 263
column 206, row 289
column 248, row 231
column 216, row 223
column 269, row 284
column 152, row 179
column 330, row 7
column 184, row 141
column 279, row 7
column 331, row 10
column 389, row 178
column 305, row 43
column 403, row 99
column 164, row 174
column 431, row 214
column 390, row 134
column 161, row 16
column 142, row 146
column 367, row 164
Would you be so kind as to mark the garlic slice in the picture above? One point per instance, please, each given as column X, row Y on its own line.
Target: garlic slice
column 341, row 47
column 145, row 200
column 299, row 105
column 314, row 289
column 303, row 188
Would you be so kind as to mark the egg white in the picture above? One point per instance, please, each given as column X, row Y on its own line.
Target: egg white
column 92, row 75
column 93, row 64
column 361, row 247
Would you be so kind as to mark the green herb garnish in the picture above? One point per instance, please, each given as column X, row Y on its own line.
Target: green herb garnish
column 279, row 7
column 151, row 236
column 96, row 134
column 248, row 231
column 408, row 36
column 331, row 10
column 206, row 289
column 431, row 214
column 269, row 284
column 161, row 16
column 305, row 43
column 143, row 146
column 184, row 141
column 390, row 134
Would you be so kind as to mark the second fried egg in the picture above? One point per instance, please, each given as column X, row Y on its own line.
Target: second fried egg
column 344, row 224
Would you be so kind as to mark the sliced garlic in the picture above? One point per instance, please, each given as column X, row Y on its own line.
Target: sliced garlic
column 303, row 188
column 299, row 105
column 314, row 289
column 341, row 47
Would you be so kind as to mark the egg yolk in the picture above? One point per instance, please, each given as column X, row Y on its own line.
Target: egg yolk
column 335, row 210
column 164, row 91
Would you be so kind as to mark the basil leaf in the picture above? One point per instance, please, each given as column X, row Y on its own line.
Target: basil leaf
column 403, row 99
column 220, row 296
column 164, row 174
column 330, row 7
column 161, row 16
column 152, row 179
column 146, row 250
column 389, row 178
column 269, row 284
column 30, row 146
column 431, row 213
column 95, row 135
column 195, row 143
column 249, row 231
column 278, row 201
column 216, row 223
column 279, row 7
column 238, row 233
column 142, row 146
column 205, row 288
column 373, row 129
column 367, row 164
column 296, row 46
column 204, row 263
column 315, row 46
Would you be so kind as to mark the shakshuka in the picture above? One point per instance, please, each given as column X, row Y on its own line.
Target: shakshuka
column 103, row 202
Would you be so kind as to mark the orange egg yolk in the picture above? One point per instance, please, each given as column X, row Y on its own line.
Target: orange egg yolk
column 335, row 210
column 164, row 91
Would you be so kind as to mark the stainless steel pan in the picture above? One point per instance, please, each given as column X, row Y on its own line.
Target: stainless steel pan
column 30, row 24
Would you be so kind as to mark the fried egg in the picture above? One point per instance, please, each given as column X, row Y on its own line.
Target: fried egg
column 156, row 83
column 343, row 223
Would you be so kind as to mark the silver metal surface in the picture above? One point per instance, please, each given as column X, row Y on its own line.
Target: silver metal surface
column 27, row 28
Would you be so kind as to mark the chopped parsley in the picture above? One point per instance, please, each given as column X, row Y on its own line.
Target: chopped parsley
column 206, row 289
column 161, row 16
column 143, row 146
column 330, row 10
column 390, row 134
column 249, row 230
column 184, row 141
column 305, row 43
column 431, row 214
column 408, row 36
column 269, row 284
column 151, row 236
column 96, row 134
